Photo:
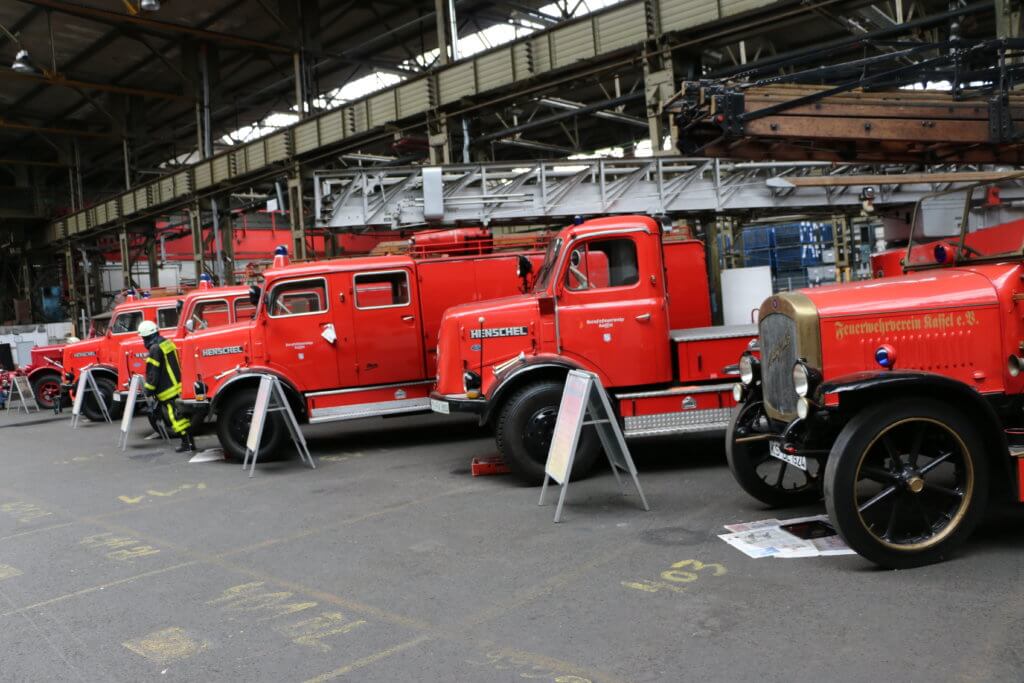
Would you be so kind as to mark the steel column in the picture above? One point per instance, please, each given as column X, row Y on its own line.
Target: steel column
column 154, row 265
column 296, row 214
column 126, row 257
column 195, row 221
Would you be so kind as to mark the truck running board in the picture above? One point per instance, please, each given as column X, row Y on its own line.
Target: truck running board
column 682, row 422
column 355, row 412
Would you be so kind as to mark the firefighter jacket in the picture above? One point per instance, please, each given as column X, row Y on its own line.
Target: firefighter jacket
column 163, row 371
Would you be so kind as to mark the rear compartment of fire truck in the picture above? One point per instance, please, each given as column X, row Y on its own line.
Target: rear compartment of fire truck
column 578, row 341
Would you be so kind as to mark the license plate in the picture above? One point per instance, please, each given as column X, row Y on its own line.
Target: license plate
column 775, row 450
column 439, row 406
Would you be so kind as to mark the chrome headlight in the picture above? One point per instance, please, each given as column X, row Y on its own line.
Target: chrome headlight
column 750, row 368
column 803, row 407
column 801, row 380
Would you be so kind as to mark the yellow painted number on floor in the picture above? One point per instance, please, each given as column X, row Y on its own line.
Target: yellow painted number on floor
column 678, row 575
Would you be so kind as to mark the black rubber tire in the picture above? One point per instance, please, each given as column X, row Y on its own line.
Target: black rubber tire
column 233, row 421
column 744, row 458
column 844, row 463
column 39, row 382
column 91, row 409
column 527, row 466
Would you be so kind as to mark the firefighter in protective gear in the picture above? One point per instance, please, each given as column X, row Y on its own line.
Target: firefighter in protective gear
column 163, row 383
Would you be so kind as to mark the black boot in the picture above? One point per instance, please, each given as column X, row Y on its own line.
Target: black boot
column 187, row 444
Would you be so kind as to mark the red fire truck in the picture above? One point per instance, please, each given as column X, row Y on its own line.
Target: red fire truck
column 205, row 308
column 349, row 338
column 102, row 353
column 897, row 399
column 611, row 297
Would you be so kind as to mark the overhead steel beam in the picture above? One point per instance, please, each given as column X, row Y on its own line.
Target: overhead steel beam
column 60, row 80
column 12, row 125
column 117, row 19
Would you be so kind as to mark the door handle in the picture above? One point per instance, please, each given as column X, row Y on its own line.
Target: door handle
column 643, row 317
column 408, row 318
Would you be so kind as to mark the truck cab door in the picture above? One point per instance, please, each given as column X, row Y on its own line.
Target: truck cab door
column 298, row 325
column 387, row 327
column 611, row 310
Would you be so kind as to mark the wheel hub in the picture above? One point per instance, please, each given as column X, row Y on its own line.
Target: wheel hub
column 911, row 480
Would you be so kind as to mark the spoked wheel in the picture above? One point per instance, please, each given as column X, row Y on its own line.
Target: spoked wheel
column 764, row 477
column 907, row 482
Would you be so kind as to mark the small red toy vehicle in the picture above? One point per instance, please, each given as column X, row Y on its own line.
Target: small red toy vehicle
column 898, row 400
column 611, row 297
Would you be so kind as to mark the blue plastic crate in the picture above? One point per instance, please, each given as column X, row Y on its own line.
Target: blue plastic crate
column 787, row 234
column 757, row 237
column 788, row 258
column 758, row 257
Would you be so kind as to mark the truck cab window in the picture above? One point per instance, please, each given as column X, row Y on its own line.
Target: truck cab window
column 602, row 263
column 244, row 310
column 301, row 297
column 126, row 322
column 210, row 314
column 382, row 290
column 167, row 318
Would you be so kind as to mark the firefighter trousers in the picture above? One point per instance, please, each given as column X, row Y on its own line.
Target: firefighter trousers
column 179, row 424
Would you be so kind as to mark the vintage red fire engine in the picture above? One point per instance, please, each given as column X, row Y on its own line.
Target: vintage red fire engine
column 613, row 298
column 102, row 353
column 207, row 307
column 897, row 399
column 349, row 338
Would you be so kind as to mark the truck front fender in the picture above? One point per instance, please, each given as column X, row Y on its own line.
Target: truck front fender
column 250, row 377
column 529, row 369
column 862, row 388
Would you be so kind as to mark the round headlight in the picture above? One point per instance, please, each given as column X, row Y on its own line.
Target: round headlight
column 746, row 365
column 1014, row 365
column 803, row 408
column 737, row 392
column 801, row 380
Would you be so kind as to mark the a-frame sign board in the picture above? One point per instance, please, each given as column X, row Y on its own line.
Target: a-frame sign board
column 585, row 402
column 270, row 398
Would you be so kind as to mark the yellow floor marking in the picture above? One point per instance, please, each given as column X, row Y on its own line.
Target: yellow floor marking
column 86, row 591
column 166, row 646
column 366, row 661
column 8, row 572
column 35, row 531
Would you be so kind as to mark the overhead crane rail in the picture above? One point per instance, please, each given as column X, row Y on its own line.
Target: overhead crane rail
column 486, row 193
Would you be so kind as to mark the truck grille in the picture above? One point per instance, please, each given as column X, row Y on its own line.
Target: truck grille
column 778, row 338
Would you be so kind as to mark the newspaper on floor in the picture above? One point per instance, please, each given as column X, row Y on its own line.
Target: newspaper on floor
column 789, row 538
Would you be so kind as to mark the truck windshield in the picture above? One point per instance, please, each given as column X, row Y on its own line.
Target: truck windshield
column 983, row 232
column 548, row 267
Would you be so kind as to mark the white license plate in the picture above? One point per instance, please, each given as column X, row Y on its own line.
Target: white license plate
column 439, row 406
column 775, row 450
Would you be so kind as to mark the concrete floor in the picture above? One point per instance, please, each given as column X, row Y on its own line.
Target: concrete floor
column 391, row 563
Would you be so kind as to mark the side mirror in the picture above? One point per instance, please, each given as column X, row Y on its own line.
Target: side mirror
column 254, row 295
column 524, row 266
column 190, row 325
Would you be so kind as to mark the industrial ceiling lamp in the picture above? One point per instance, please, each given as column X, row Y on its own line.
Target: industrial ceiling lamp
column 149, row 5
column 22, row 64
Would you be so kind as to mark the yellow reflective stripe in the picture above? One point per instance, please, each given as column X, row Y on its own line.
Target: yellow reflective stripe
column 151, row 387
column 178, row 426
column 169, row 393
column 153, row 361
column 170, row 350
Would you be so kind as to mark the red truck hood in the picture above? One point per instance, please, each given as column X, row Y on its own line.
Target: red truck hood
column 520, row 309
column 949, row 287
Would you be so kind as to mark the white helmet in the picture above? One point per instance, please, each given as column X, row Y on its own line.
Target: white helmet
column 147, row 328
